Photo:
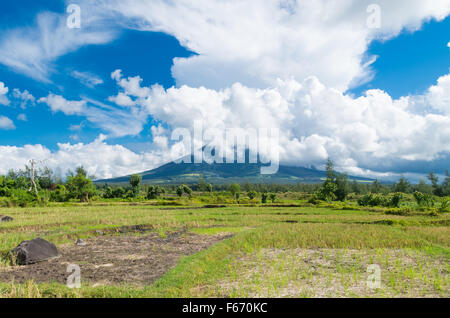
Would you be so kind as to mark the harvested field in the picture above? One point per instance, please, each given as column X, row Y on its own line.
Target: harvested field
column 108, row 260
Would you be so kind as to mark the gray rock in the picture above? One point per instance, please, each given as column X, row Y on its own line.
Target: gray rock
column 80, row 242
column 5, row 218
column 98, row 232
column 34, row 251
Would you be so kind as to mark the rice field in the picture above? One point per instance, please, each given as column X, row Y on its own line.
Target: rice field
column 233, row 251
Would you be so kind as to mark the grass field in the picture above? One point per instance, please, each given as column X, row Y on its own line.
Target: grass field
column 239, row 251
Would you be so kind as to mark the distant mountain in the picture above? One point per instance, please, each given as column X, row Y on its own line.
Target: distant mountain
column 173, row 173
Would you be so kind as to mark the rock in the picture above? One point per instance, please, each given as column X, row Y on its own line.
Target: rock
column 34, row 251
column 80, row 242
column 98, row 232
column 5, row 218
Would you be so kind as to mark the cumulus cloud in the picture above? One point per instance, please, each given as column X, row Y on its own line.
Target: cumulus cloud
column 3, row 91
column 368, row 135
column 6, row 123
column 99, row 158
column 255, row 42
column 58, row 103
column 25, row 97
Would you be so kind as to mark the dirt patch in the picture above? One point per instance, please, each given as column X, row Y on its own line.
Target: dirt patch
column 109, row 260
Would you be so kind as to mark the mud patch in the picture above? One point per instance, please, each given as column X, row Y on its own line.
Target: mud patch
column 110, row 260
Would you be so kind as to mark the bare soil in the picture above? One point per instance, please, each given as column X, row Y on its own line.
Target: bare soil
column 110, row 260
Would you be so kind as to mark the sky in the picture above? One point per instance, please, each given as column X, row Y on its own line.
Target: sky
column 366, row 86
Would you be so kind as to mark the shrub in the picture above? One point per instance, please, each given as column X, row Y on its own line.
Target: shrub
column 445, row 205
column 264, row 197
column 424, row 200
column 251, row 194
column 273, row 197
column 22, row 198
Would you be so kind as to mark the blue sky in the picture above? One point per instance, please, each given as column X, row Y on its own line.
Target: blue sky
column 215, row 50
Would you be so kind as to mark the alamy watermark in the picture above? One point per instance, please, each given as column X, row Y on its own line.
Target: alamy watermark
column 374, row 19
column 374, row 278
column 74, row 279
column 230, row 145
column 74, row 18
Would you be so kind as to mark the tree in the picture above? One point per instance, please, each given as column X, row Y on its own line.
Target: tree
column 376, row 186
column 209, row 187
column 402, row 185
column 342, row 187
column 264, row 197
column 201, row 185
column 80, row 186
column 251, row 194
column 273, row 197
column 423, row 187
column 234, row 189
column 329, row 187
column 135, row 182
column 446, row 184
column 437, row 189
column 187, row 190
column 180, row 191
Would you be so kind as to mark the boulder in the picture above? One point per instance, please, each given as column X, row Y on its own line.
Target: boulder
column 34, row 251
column 80, row 242
column 5, row 218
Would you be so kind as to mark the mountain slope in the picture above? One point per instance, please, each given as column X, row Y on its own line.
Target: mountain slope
column 173, row 173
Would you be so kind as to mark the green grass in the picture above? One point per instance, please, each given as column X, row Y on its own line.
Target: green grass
column 275, row 237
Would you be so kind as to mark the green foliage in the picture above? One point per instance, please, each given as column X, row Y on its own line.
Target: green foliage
column 327, row 192
column 445, row 205
column 135, row 182
column 335, row 187
column 424, row 200
column 187, row 190
column 273, row 197
column 264, row 197
column 180, row 191
column 234, row 189
column 402, row 185
column 59, row 194
column 80, row 186
column 252, row 194
column 153, row 192
column 373, row 200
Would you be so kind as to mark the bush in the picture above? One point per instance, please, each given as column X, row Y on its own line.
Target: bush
column 424, row 200
column 445, row 205
column 22, row 198
column 251, row 194
column 273, row 197
column 264, row 197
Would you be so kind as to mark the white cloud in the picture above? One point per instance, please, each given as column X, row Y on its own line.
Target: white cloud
column 116, row 121
column 32, row 50
column 6, row 123
column 100, row 159
column 88, row 79
column 25, row 97
column 255, row 42
column 58, row 103
column 315, row 122
column 122, row 100
column 22, row 117
column 3, row 91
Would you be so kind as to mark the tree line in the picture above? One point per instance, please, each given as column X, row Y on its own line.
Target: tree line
column 16, row 188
